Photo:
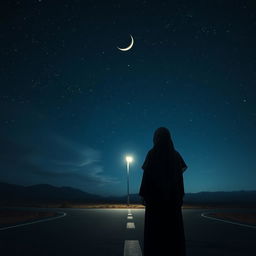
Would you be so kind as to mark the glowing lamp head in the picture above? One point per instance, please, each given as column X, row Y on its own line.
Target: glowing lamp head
column 129, row 159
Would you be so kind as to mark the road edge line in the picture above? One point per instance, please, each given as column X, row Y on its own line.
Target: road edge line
column 34, row 222
column 227, row 221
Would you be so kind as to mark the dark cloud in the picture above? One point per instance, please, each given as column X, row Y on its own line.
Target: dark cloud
column 64, row 163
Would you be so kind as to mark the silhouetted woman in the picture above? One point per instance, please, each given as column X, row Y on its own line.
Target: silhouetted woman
column 162, row 189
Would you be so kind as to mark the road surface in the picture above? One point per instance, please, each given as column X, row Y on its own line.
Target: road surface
column 116, row 232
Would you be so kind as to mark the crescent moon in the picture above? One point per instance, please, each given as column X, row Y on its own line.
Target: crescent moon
column 127, row 48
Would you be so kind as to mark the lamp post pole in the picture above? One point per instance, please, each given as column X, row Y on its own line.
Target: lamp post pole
column 129, row 159
column 128, row 192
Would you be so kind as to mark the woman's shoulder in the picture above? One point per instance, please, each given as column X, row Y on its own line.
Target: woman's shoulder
column 177, row 154
column 150, row 153
column 181, row 160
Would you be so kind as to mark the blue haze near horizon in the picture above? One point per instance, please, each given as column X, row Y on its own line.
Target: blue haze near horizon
column 72, row 105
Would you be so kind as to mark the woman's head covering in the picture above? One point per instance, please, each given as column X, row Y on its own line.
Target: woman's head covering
column 162, row 151
column 162, row 137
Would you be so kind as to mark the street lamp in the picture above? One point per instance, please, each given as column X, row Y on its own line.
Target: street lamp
column 129, row 159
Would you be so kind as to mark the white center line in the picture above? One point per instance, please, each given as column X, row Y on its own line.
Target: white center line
column 129, row 214
column 129, row 217
column 132, row 248
column 130, row 225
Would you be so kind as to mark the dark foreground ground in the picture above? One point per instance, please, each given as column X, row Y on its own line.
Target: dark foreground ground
column 105, row 232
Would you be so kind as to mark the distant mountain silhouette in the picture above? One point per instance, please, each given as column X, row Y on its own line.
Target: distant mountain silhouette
column 44, row 193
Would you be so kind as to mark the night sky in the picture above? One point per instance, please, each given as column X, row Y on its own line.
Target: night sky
column 72, row 105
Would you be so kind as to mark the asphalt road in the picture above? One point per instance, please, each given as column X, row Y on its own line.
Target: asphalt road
column 104, row 232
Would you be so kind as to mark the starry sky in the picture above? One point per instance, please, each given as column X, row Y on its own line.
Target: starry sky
column 72, row 105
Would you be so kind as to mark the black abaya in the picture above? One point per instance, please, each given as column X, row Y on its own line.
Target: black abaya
column 162, row 189
column 163, row 231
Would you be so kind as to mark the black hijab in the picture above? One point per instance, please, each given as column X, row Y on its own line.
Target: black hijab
column 162, row 175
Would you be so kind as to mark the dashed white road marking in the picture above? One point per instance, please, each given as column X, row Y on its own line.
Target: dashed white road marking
column 129, row 214
column 130, row 225
column 227, row 221
column 36, row 221
column 132, row 248
column 129, row 217
column 129, row 211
